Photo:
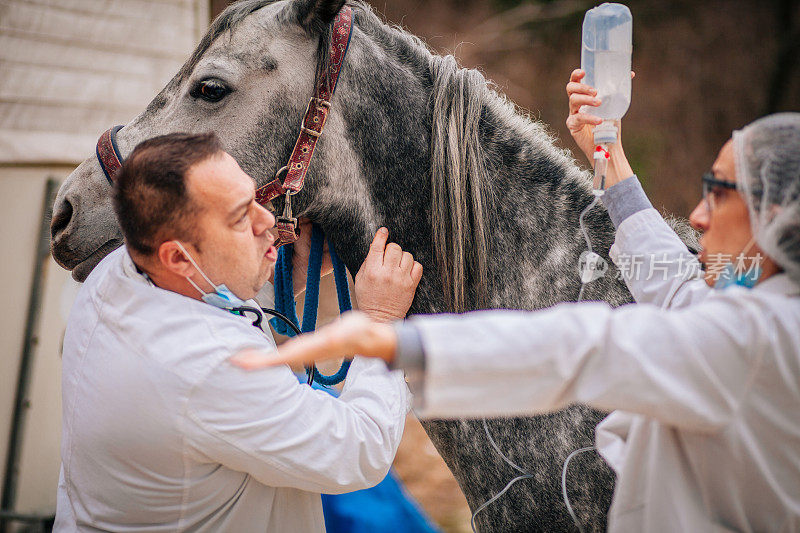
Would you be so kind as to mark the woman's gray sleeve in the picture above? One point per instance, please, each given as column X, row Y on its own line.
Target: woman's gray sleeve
column 409, row 355
column 624, row 199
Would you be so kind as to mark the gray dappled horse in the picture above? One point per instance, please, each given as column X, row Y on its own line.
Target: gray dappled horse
column 475, row 190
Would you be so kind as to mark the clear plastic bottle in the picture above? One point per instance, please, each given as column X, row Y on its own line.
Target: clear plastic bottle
column 606, row 48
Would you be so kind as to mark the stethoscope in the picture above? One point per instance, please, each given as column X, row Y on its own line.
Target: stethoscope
column 259, row 319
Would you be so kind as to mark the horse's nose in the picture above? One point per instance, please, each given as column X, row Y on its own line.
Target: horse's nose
column 62, row 214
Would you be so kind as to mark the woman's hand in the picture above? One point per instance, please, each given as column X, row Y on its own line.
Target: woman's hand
column 386, row 282
column 581, row 127
column 352, row 333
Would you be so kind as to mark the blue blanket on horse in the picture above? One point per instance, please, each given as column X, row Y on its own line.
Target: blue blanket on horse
column 384, row 508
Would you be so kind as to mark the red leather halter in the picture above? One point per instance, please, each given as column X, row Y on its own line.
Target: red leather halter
column 310, row 130
column 108, row 153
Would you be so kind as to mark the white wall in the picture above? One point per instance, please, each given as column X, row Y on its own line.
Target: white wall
column 72, row 68
column 69, row 69
column 21, row 194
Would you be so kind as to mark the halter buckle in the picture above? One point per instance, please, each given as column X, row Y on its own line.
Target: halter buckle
column 287, row 207
column 319, row 105
column 286, row 224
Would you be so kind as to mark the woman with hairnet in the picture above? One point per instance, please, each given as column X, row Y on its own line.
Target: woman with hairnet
column 702, row 377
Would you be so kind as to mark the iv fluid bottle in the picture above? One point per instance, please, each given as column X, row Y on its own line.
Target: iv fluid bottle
column 606, row 48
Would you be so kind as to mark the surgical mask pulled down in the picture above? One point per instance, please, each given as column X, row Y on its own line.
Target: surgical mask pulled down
column 737, row 274
column 222, row 296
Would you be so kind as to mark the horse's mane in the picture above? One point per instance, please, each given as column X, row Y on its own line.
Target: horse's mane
column 462, row 100
column 460, row 187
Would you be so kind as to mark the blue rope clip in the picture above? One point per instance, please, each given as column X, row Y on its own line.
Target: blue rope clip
column 284, row 296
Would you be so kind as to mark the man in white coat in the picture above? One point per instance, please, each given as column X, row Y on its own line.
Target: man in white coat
column 703, row 385
column 160, row 431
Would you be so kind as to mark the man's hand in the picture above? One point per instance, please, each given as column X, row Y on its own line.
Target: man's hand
column 352, row 333
column 386, row 282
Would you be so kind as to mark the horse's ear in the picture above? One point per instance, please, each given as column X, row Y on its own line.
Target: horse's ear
column 315, row 15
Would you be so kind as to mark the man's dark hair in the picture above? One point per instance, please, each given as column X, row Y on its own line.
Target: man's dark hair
column 151, row 198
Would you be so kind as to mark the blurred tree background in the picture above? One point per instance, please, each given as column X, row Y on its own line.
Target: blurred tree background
column 702, row 69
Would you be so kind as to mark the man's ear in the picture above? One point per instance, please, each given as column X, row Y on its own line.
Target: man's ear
column 174, row 260
column 315, row 15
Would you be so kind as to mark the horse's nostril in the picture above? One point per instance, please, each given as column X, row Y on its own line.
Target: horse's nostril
column 62, row 214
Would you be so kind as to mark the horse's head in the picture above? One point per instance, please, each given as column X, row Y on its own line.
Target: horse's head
column 402, row 143
column 249, row 80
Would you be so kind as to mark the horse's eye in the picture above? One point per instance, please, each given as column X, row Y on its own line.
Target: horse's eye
column 210, row 90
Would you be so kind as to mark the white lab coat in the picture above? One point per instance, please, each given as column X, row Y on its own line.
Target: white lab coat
column 705, row 433
column 162, row 433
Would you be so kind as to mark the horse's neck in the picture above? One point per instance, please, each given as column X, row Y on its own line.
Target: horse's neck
column 536, row 193
column 388, row 130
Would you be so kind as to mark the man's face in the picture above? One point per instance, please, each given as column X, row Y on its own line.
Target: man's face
column 726, row 226
column 235, row 244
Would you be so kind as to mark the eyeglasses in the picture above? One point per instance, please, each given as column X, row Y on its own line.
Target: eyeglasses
column 712, row 184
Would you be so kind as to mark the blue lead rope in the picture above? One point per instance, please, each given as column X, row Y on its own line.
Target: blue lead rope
column 284, row 295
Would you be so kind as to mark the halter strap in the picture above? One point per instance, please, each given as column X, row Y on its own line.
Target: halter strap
column 310, row 131
column 108, row 154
